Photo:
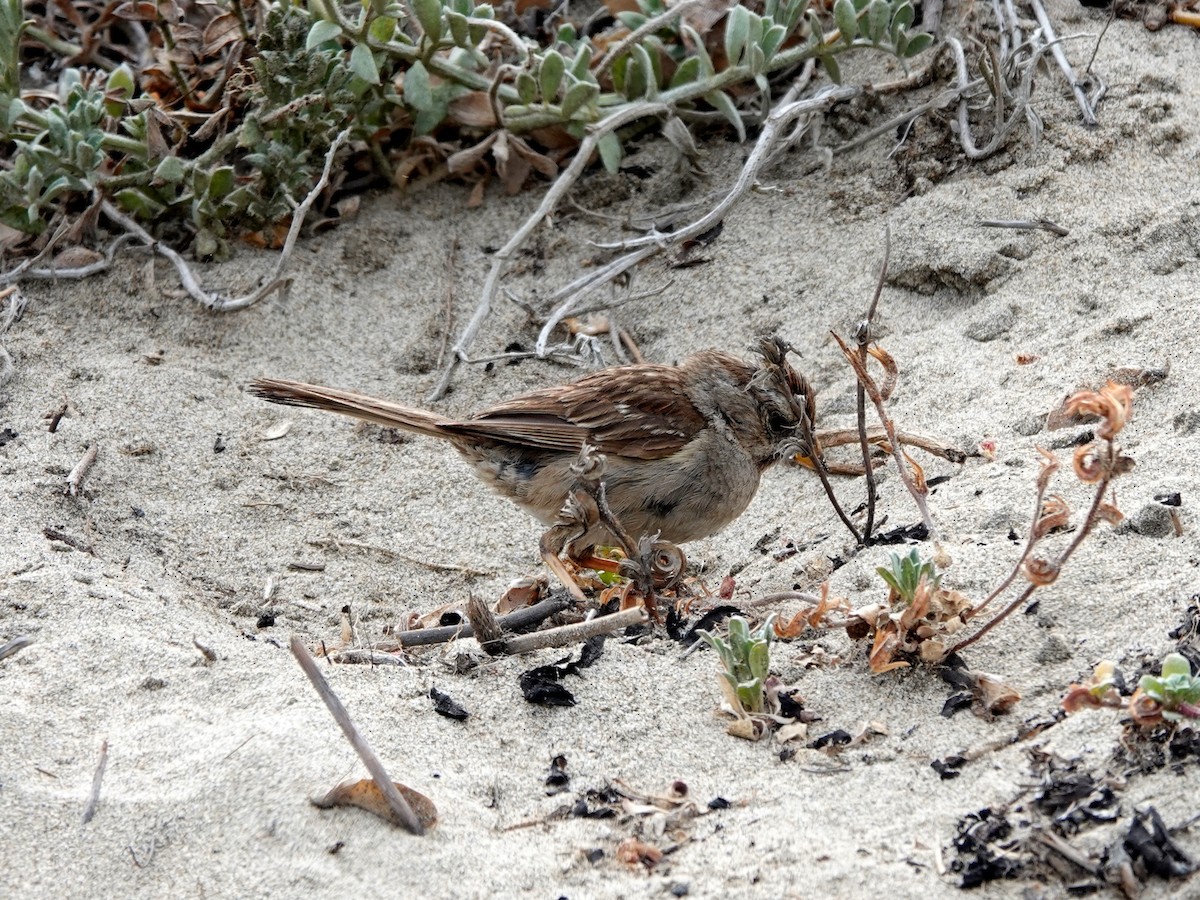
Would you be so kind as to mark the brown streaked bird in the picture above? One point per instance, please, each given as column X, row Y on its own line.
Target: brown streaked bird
column 684, row 446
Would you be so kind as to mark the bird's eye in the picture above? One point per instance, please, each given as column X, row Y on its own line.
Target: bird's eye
column 779, row 423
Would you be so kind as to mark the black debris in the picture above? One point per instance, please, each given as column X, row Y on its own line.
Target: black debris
column 444, row 705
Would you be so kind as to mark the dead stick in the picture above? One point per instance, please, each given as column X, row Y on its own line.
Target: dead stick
column 865, row 337
column 574, row 634
column 208, row 653
column 514, row 621
column 94, row 798
column 75, row 479
column 17, row 644
column 379, row 775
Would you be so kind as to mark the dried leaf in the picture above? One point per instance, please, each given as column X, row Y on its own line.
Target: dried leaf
column 704, row 16
column 1089, row 467
column 1050, row 465
column 543, row 164
column 1113, row 404
column 76, row 258
column 1039, row 571
column 137, row 12
column 475, row 198
column 465, row 161
column 749, row 729
column 472, row 110
column 795, row 731
column 884, row 649
column 633, row 852
column 522, row 593
column 365, row 794
column 1054, row 514
column 890, row 368
column 997, row 696
column 220, row 33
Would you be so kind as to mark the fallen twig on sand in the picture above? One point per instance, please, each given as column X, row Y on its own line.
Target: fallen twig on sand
column 75, row 479
column 398, row 805
column 574, row 634
column 16, row 645
column 521, row 618
column 1025, row 225
column 217, row 302
column 89, row 809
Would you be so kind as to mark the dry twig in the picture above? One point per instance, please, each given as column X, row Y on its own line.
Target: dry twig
column 89, row 809
column 16, row 645
column 574, row 634
column 75, row 479
column 396, row 802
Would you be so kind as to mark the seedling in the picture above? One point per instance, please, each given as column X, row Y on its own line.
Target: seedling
column 746, row 656
column 905, row 573
column 1171, row 696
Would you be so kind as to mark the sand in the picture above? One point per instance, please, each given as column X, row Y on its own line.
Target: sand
column 189, row 512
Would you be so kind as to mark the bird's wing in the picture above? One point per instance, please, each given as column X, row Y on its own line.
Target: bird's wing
column 641, row 412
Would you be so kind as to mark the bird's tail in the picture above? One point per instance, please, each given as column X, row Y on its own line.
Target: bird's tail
column 360, row 406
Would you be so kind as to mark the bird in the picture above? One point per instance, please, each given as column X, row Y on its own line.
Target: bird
column 683, row 447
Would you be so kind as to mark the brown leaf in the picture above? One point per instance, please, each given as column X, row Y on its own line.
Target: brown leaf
column 747, row 729
column 884, row 649
column 554, row 137
column 890, row 368
column 1039, row 571
column 220, row 33
column 1138, row 376
column 633, row 852
column 472, row 110
column 997, row 696
column 620, row 6
column 465, row 161
column 703, row 16
column 1110, row 514
column 72, row 14
column 543, row 164
column 76, row 258
column 137, row 12
column 522, row 593
column 365, row 794
column 523, row 6
column 475, row 200
column 1113, row 404
column 1049, row 467
column 1054, row 514
column 514, row 171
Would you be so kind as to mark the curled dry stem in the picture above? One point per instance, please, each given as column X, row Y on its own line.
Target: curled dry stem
column 873, row 391
column 1101, row 463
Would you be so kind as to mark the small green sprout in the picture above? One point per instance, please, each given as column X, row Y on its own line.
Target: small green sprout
column 1176, row 690
column 904, row 574
column 746, row 656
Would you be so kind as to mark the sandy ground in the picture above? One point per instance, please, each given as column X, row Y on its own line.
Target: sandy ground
column 189, row 512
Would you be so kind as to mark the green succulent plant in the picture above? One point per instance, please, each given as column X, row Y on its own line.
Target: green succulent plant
column 1176, row 690
column 746, row 656
column 904, row 574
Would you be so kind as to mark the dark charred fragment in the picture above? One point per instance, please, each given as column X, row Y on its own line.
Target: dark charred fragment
column 444, row 705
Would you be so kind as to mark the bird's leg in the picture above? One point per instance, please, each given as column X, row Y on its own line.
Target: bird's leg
column 576, row 518
column 648, row 563
column 589, row 479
